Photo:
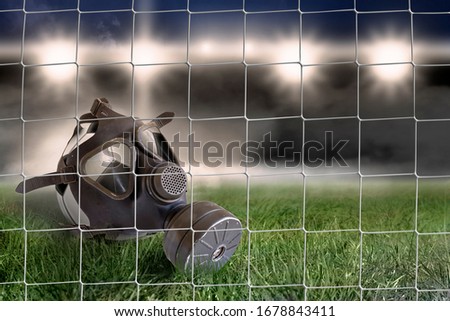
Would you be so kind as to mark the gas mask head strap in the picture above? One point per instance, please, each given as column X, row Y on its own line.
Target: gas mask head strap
column 67, row 174
column 102, row 109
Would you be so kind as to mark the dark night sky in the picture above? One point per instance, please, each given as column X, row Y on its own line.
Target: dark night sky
column 273, row 37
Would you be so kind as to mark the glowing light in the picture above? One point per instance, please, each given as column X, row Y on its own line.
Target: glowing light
column 149, row 51
column 390, row 51
column 249, row 48
column 312, row 52
column 55, row 51
column 143, row 52
column 288, row 51
column 59, row 73
column 387, row 50
column 391, row 73
column 285, row 50
column 214, row 50
column 206, row 47
column 289, row 72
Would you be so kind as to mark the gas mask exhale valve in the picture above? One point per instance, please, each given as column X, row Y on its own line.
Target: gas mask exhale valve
column 118, row 175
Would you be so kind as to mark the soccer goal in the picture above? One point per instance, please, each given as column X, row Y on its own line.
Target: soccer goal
column 311, row 135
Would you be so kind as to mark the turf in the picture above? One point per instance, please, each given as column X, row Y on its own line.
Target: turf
column 296, row 245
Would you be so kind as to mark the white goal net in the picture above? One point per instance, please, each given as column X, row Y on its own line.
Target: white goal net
column 321, row 125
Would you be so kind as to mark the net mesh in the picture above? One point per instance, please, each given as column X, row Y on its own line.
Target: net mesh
column 377, row 228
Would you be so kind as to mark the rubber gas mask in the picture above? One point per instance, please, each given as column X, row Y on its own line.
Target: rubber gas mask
column 118, row 176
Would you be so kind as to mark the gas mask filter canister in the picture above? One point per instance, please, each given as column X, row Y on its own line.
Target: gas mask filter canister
column 118, row 174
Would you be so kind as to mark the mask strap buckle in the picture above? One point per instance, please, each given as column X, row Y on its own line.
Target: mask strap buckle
column 67, row 175
column 101, row 109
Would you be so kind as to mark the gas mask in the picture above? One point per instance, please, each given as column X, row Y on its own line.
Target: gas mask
column 118, row 176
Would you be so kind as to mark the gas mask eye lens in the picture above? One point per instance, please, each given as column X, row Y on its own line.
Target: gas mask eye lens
column 109, row 168
column 112, row 157
column 117, row 184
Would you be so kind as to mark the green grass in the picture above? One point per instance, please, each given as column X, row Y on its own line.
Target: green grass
column 318, row 254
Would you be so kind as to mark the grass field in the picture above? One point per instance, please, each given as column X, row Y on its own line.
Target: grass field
column 325, row 243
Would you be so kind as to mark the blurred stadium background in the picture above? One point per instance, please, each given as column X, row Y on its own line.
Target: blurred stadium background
column 375, row 73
